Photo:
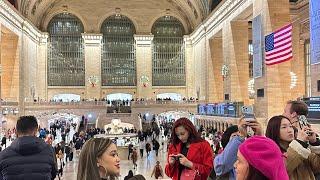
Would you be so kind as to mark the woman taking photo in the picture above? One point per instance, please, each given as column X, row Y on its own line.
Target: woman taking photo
column 189, row 154
column 259, row 158
column 302, row 160
column 98, row 160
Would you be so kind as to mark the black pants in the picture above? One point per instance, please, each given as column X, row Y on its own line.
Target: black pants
column 157, row 151
column 141, row 152
column 129, row 155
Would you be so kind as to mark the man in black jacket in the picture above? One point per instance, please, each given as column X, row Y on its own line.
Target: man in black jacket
column 28, row 157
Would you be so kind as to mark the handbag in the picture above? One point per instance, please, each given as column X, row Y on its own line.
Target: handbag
column 189, row 174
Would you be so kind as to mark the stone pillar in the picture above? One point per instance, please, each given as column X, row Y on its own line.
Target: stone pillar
column 21, row 49
column 41, row 82
column 92, row 65
column 235, row 55
column 215, row 80
column 190, row 73
column 276, row 78
column 144, row 66
column 1, row 68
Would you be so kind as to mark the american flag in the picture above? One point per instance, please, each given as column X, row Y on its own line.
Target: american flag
column 279, row 45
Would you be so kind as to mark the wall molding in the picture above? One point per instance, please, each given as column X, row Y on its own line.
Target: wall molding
column 143, row 40
column 14, row 21
column 213, row 24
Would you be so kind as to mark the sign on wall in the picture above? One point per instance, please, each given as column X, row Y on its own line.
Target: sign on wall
column 315, row 31
column 257, row 42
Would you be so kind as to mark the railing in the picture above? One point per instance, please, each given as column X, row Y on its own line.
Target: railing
column 9, row 103
column 72, row 103
column 150, row 102
column 96, row 103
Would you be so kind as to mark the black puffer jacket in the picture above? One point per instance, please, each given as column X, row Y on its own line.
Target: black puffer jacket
column 28, row 158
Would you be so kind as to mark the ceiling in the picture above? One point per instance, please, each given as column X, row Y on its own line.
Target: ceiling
column 193, row 12
column 190, row 12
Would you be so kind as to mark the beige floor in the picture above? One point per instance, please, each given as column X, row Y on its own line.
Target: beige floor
column 145, row 167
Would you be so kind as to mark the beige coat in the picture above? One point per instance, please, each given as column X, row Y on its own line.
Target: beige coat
column 302, row 163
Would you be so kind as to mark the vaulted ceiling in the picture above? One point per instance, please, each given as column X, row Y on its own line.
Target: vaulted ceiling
column 192, row 12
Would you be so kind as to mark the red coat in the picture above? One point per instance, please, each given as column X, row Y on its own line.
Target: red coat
column 200, row 154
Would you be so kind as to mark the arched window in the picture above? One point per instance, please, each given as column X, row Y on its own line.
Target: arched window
column 118, row 64
column 66, row 66
column 168, row 60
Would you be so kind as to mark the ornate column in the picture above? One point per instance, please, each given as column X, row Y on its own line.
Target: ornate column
column 190, row 63
column 41, row 82
column 92, row 49
column 215, row 62
column 236, row 58
column 144, row 66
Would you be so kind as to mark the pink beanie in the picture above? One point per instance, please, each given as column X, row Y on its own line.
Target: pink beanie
column 264, row 154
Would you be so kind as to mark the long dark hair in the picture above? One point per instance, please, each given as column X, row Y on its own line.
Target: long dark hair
column 273, row 130
column 194, row 136
column 255, row 174
column 91, row 151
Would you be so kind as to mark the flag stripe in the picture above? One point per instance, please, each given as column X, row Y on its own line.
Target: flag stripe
column 278, row 45
column 280, row 33
column 279, row 59
column 268, row 63
column 283, row 42
column 287, row 35
column 283, row 28
column 285, row 51
column 283, row 47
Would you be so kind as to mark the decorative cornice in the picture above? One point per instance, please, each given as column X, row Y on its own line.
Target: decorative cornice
column 143, row 40
column 92, row 39
column 187, row 41
column 212, row 23
column 14, row 21
column 44, row 38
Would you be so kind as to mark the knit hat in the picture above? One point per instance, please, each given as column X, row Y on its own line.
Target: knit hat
column 264, row 154
column 226, row 135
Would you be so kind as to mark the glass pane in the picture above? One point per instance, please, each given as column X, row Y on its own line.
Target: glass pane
column 168, row 61
column 66, row 66
column 118, row 52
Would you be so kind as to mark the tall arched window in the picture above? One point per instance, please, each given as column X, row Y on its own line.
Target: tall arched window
column 118, row 52
column 168, row 61
column 66, row 66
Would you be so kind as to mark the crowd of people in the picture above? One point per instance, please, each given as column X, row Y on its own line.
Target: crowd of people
column 289, row 149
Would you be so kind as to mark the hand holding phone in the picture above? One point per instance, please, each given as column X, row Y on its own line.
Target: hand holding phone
column 172, row 159
column 247, row 112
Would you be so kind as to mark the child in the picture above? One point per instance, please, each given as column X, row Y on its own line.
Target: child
column 157, row 171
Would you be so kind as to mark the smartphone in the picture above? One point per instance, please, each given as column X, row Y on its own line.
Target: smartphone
column 247, row 112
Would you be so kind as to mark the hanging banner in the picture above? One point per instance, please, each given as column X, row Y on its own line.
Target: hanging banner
column 257, row 42
column 315, row 31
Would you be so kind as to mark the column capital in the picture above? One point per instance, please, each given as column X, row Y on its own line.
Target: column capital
column 143, row 40
column 43, row 38
column 188, row 41
column 92, row 39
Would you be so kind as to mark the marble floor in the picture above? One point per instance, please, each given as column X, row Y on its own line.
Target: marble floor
column 145, row 166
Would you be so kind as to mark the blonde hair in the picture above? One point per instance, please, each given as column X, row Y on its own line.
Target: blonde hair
column 91, row 151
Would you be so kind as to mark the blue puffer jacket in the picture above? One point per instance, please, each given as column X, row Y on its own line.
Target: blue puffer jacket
column 28, row 158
